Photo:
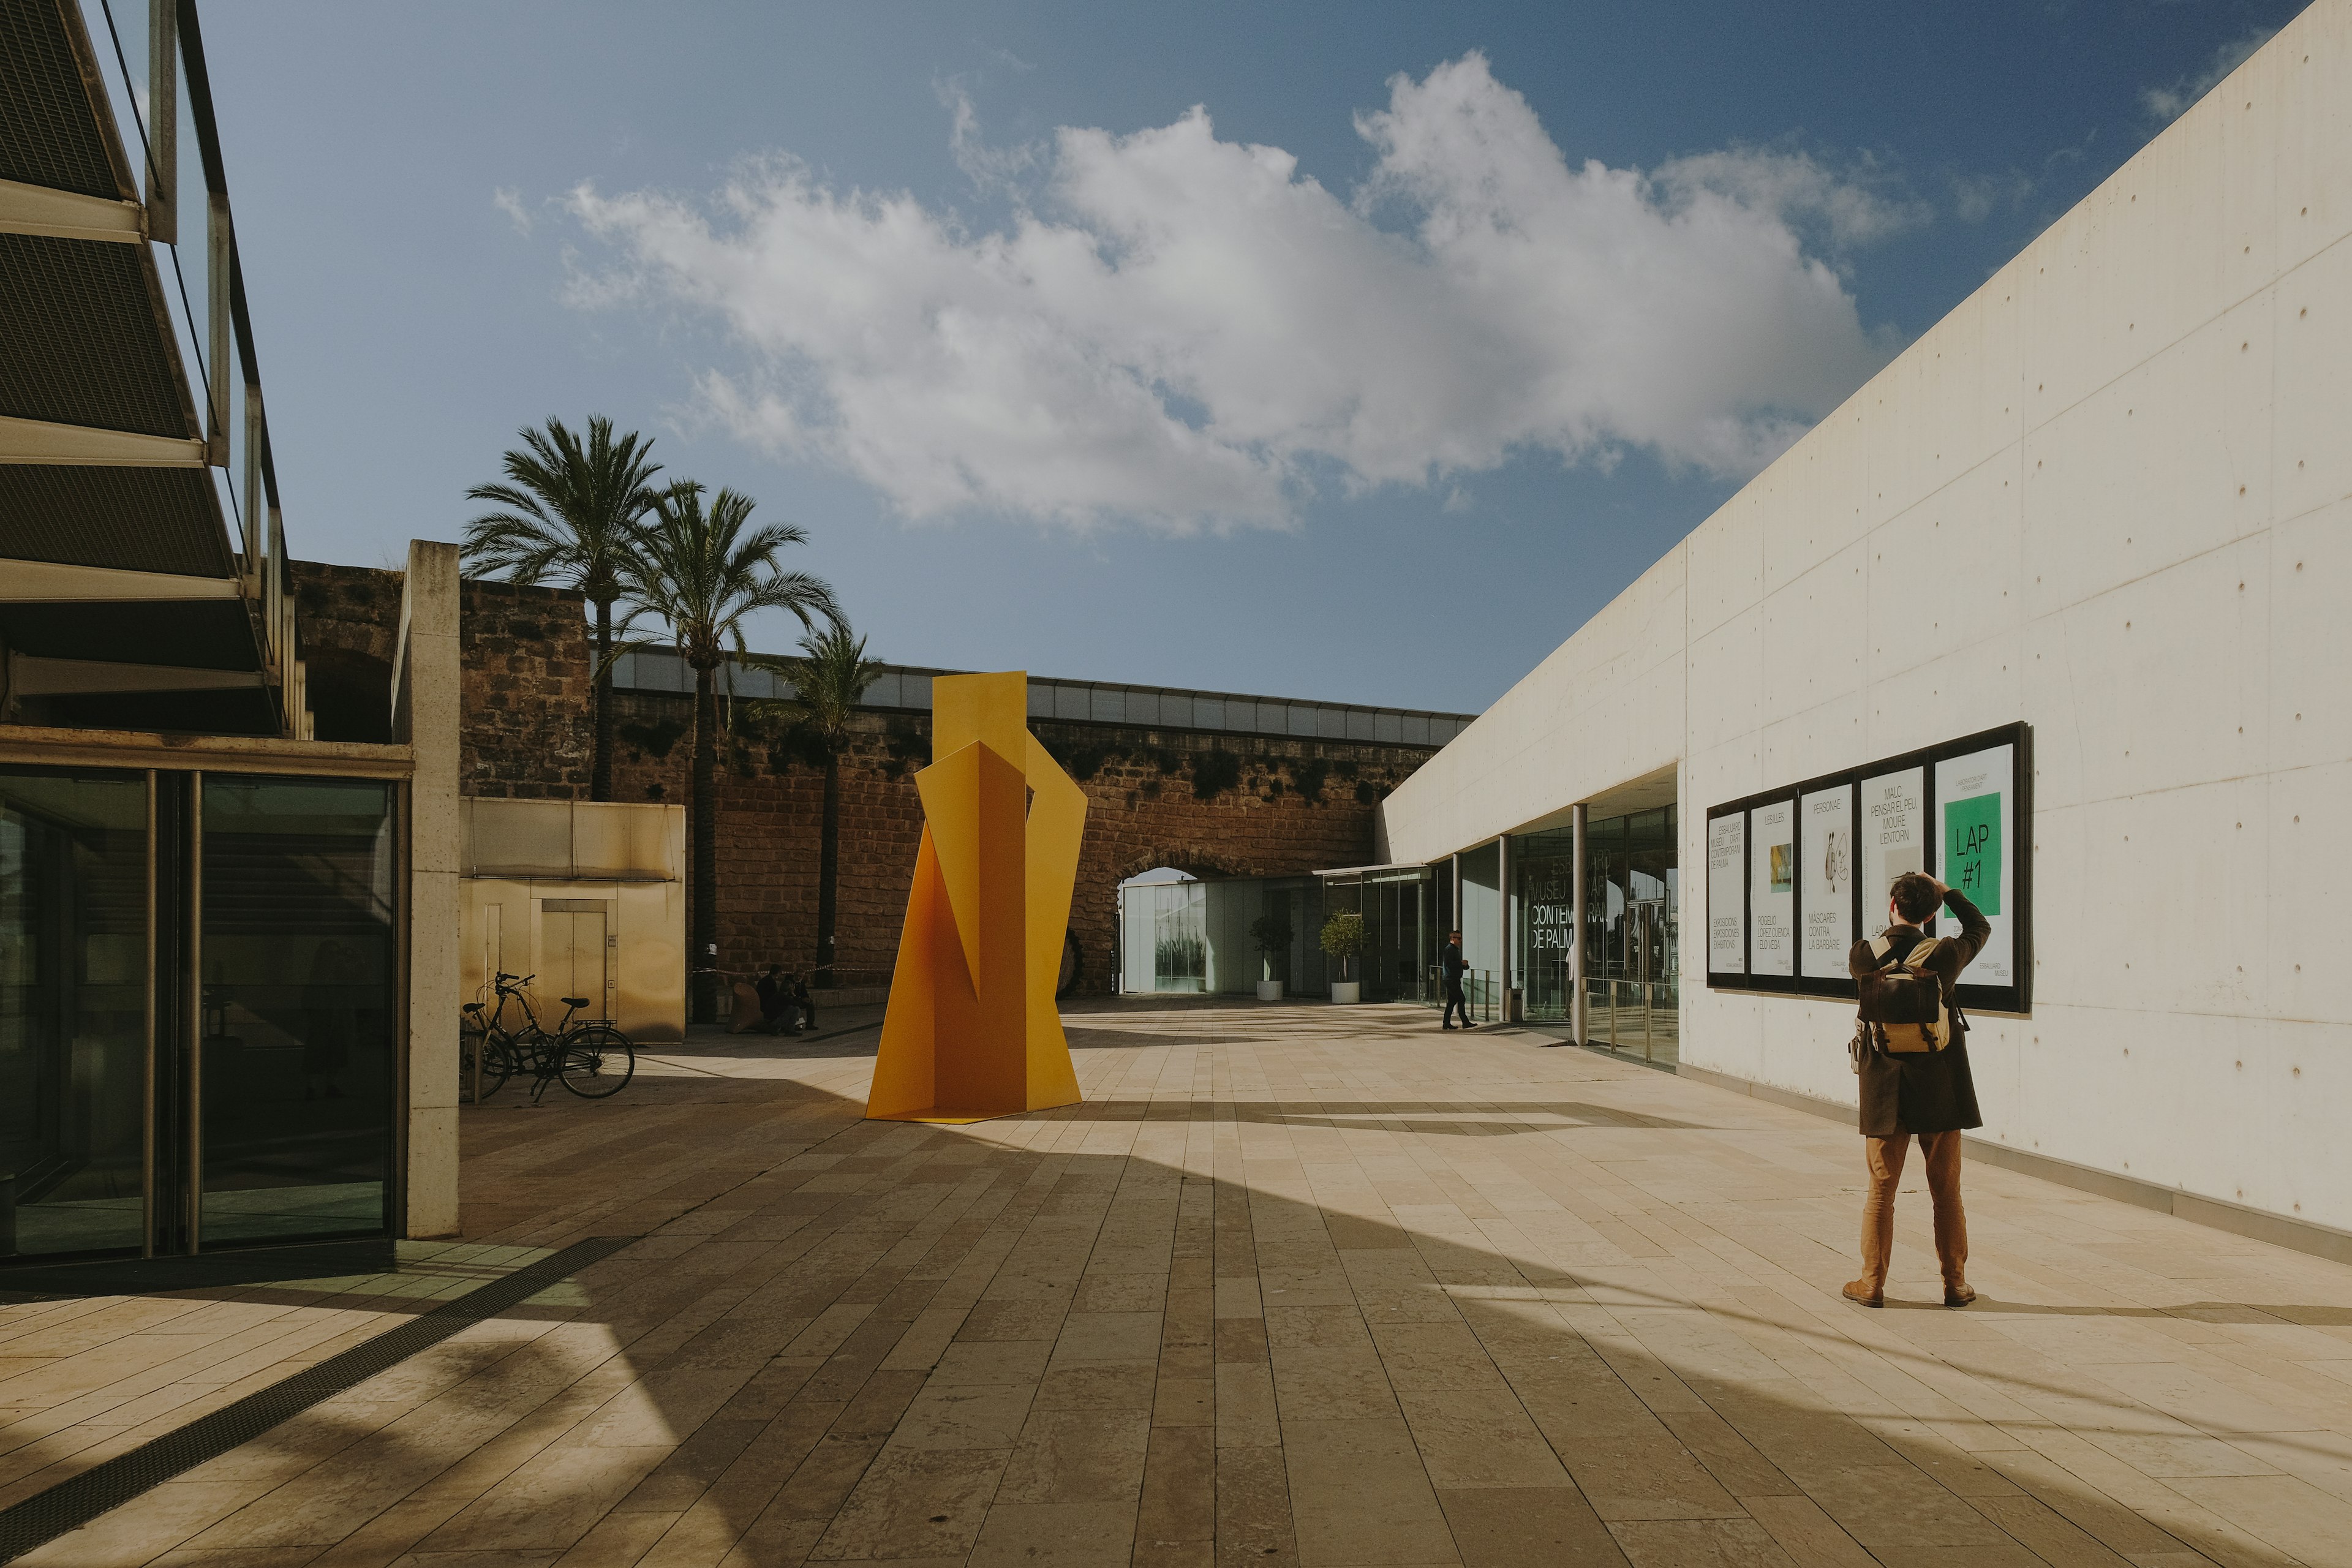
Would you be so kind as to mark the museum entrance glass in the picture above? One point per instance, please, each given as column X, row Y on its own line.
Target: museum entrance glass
column 1632, row 907
column 1631, row 915
column 198, row 1003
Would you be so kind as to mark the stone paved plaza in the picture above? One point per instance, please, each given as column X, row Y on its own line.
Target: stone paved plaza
column 1295, row 1284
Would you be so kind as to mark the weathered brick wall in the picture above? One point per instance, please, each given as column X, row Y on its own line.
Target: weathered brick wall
column 1213, row 805
column 1210, row 805
column 525, row 725
column 529, row 724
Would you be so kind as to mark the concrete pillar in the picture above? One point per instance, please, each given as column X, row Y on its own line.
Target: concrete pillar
column 425, row 697
column 1454, row 912
column 1503, row 1008
column 1577, row 1004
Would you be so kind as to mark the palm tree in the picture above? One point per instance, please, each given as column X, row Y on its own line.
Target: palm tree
column 570, row 515
column 829, row 680
column 704, row 571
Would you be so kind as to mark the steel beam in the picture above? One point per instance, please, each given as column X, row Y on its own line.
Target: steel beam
column 32, row 677
column 68, row 214
column 87, row 445
column 164, row 116
column 54, row 582
column 219, row 251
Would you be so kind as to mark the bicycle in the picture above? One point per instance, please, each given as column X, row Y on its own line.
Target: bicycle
column 593, row 1060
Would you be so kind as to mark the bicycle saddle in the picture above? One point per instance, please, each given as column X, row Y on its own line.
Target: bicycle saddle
column 574, row 1001
column 473, row 1007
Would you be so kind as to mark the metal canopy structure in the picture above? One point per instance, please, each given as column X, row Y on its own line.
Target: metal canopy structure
column 130, row 596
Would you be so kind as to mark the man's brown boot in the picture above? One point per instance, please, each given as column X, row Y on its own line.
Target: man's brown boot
column 1959, row 1295
column 1863, row 1295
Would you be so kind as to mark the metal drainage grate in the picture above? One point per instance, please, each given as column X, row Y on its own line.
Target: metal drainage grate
column 74, row 1502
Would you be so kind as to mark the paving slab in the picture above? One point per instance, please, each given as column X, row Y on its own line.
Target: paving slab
column 1295, row 1284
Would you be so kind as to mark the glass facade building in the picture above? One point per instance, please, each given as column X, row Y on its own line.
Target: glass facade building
column 199, row 1009
column 1633, row 902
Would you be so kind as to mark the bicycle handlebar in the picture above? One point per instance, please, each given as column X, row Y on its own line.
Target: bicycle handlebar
column 520, row 980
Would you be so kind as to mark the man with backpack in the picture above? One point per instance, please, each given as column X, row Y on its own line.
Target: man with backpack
column 1911, row 1051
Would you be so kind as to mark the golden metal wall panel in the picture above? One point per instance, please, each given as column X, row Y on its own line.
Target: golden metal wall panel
column 626, row 840
column 520, row 839
column 649, row 962
column 535, row 927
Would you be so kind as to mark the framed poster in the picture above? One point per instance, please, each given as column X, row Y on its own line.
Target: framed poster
column 1772, row 892
column 1796, row 875
column 1894, row 840
column 1727, row 897
column 1976, row 816
column 1825, row 853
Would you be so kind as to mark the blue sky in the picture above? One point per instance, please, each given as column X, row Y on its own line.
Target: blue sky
column 1372, row 385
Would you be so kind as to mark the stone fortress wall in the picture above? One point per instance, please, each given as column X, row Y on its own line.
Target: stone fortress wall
column 1208, row 802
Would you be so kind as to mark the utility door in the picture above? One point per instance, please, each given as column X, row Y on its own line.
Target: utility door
column 576, row 943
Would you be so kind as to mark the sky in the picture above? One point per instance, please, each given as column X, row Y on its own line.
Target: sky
column 1354, row 351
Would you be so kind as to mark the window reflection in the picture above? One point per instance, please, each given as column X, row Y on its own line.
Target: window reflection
column 73, row 974
column 298, row 1006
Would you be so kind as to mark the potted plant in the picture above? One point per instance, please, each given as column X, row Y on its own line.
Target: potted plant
column 1343, row 937
column 1271, row 934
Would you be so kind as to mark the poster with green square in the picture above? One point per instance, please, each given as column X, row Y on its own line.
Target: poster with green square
column 1972, row 850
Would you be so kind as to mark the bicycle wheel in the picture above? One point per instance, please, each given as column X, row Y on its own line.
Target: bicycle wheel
column 473, row 1043
column 598, row 1060
column 498, row 1064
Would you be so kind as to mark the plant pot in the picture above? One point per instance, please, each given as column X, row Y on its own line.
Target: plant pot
column 1269, row 990
column 1346, row 991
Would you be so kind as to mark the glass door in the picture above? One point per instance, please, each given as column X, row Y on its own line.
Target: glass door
column 198, row 1005
column 73, row 1011
column 296, row 1070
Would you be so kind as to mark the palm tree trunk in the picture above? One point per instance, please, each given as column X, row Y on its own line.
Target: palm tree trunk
column 600, row 761
column 702, row 827
column 828, row 868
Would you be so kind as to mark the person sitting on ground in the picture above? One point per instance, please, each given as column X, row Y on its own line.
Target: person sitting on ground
column 1924, row 1092
column 775, row 1000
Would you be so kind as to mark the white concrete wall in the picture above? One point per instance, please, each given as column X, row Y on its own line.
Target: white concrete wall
column 2110, row 494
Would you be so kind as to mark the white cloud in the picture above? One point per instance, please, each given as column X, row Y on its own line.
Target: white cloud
column 1976, row 197
column 1857, row 206
column 509, row 200
column 2167, row 102
column 1178, row 330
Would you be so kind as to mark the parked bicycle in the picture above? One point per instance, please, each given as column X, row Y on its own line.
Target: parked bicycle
column 590, row 1058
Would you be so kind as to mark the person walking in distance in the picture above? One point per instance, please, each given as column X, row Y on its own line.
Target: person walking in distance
column 1911, row 1051
column 1453, row 964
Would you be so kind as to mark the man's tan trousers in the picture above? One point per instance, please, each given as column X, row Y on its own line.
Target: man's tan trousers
column 1884, row 1157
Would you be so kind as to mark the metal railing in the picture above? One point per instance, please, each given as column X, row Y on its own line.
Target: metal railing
column 223, row 339
column 1637, row 1017
column 1481, row 992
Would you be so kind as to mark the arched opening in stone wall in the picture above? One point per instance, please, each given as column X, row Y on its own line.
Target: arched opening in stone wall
column 1199, row 929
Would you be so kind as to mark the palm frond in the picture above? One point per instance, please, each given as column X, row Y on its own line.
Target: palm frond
column 570, row 510
column 697, row 569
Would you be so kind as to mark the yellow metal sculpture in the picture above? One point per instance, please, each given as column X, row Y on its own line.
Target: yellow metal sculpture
column 971, row 1031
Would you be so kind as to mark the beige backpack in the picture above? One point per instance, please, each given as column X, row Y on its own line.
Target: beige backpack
column 1902, row 1006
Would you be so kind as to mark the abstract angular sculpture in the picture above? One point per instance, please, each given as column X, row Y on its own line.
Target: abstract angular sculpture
column 971, row 1031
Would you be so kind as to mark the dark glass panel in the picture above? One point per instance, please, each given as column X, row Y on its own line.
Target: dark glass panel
column 298, row 965
column 73, row 999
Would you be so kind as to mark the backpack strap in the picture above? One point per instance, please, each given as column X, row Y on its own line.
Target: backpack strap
column 1916, row 959
column 1879, row 949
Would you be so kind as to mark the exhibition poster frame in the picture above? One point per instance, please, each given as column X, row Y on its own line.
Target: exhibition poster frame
column 1755, row 807
column 1725, row 979
column 1864, row 919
